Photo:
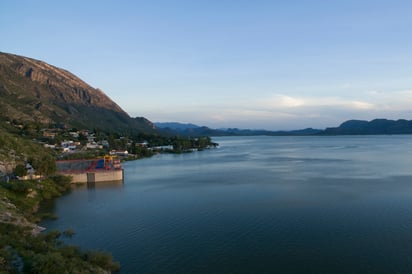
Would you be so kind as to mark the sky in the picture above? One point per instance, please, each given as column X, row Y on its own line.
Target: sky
column 258, row 64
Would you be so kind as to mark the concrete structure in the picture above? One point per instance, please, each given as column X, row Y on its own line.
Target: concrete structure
column 92, row 171
column 97, row 176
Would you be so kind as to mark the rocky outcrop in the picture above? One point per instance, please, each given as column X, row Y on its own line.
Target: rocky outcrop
column 62, row 84
column 9, row 214
column 36, row 91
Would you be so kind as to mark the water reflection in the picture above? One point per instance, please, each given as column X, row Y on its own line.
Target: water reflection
column 93, row 188
column 105, row 185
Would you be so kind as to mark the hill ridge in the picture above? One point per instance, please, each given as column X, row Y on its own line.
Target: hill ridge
column 33, row 90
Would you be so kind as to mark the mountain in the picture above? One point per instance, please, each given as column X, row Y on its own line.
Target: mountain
column 350, row 127
column 182, row 129
column 377, row 126
column 175, row 126
column 34, row 91
column 252, row 132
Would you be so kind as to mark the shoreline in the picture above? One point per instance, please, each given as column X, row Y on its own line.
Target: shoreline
column 23, row 239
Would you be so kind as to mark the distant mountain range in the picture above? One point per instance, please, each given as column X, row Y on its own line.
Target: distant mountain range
column 194, row 130
column 175, row 126
column 34, row 91
column 377, row 126
column 351, row 127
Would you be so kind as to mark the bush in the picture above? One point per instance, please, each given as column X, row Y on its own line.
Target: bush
column 102, row 259
column 20, row 186
column 61, row 180
column 20, row 170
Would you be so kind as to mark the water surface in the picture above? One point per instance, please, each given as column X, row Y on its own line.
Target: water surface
column 255, row 205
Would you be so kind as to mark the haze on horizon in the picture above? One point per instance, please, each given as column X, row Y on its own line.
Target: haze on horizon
column 246, row 64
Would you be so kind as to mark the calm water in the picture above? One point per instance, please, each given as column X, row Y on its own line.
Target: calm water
column 255, row 205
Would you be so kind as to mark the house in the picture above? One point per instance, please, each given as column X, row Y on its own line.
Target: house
column 49, row 146
column 162, row 148
column 74, row 134
column 93, row 145
column 68, row 146
column 49, row 134
column 90, row 138
column 119, row 153
column 105, row 143
column 142, row 144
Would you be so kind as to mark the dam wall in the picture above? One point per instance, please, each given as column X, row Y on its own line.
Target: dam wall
column 92, row 171
column 97, row 176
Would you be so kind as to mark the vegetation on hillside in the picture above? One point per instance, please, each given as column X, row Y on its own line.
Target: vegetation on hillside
column 15, row 149
column 24, row 250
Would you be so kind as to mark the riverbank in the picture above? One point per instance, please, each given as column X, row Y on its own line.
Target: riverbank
column 23, row 248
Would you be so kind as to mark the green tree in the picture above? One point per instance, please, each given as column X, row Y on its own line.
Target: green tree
column 20, row 170
column 44, row 164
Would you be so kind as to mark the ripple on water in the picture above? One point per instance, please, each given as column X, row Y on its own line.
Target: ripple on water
column 256, row 205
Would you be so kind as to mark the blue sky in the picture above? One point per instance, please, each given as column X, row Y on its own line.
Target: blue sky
column 228, row 63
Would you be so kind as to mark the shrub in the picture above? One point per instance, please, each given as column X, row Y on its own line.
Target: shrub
column 103, row 260
column 20, row 170
column 20, row 186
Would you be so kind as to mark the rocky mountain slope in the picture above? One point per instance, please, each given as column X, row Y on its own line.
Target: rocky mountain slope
column 32, row 90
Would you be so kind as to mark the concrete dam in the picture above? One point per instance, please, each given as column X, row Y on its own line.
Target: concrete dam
column 105, row 169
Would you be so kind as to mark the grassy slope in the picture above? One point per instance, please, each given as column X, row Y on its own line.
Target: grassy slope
column 22, row 248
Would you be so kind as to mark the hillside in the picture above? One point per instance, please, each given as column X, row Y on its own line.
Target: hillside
column 350, row 127
column 34, row 91
column 175, row 126
column 377, row 126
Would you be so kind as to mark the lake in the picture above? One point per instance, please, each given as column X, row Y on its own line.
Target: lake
column 338, row 204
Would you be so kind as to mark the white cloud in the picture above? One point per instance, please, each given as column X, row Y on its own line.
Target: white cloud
column 279, row 101
column 361, row 105
column 280, row 111
column 284, row 101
